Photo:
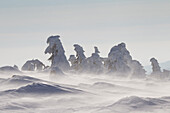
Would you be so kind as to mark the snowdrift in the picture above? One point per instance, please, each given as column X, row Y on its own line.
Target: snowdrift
column 35, row 86
column 135, row 104
column 39, row 88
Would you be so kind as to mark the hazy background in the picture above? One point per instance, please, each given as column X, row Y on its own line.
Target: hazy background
column 144, row 25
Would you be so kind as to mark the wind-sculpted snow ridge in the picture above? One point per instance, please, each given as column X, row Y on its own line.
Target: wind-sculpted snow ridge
column 39, row 88
column 23, row 80
column 90, row 94
column 105, row 85
column 9, row 69
column 104, row 88
column 22, row 77
column 36, row 86
column 134, row 104
column 19, row 80
column 14, row 80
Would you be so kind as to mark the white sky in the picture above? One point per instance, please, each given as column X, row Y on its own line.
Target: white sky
column 26, row 24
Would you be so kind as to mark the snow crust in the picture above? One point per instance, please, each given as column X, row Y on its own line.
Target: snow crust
column 83, row 93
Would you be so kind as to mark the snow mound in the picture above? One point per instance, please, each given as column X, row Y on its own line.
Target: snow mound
column 103, row 85
column 134, row 102
column 9, row 69
column 56, row 71
column 18, row 79
column 40, row 88
column 29, row 85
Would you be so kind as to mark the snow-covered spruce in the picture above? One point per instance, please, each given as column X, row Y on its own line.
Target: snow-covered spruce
column 81, row 64
column 33, row 65
column 156, row 70
column 155, row 66
column 94, row 63
column 80, row 61
column 137, row 70
column 120, row 62
column 73, row 61
column 118, row 58
column 58, row 58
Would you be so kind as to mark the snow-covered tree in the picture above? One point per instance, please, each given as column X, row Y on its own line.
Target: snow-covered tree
column 155, row 66
column 73, row 60
column 118, row 58
column 33, row 65
column 166, row 73
column 120, row 62
column 79, row 53
column 80, row 58
column 96, row 51
column 94, row 63
column 57, row 52
column 156, row 70
column 28, row 66
column 137, row 69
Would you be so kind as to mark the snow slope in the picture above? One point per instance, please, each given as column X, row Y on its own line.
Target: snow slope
column 38, row 93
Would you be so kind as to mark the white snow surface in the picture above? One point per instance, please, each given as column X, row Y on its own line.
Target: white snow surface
column 33, row 92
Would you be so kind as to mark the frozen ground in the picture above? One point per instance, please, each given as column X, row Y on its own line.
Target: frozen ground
column 39, row 93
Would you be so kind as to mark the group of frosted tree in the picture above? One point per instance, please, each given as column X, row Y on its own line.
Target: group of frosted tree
column 119, row 61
